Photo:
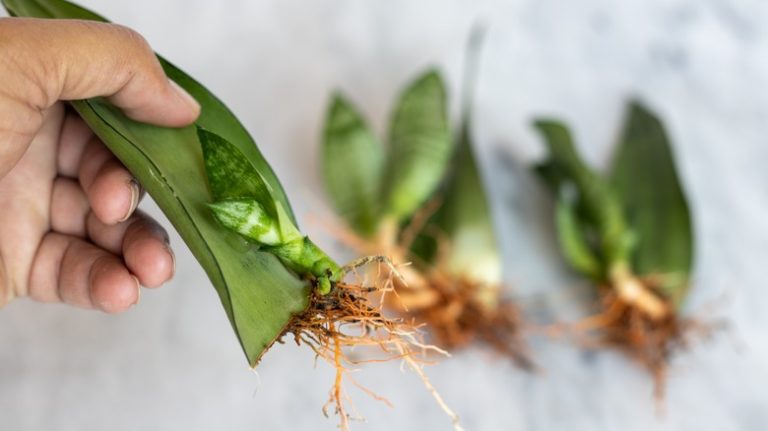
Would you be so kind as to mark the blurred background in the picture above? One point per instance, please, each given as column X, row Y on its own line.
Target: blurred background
column 173, row 362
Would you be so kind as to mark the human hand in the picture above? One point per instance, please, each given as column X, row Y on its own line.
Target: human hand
column 69, row 231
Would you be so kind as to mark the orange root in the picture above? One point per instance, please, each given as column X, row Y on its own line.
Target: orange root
column 649, row 340
column 456, row 311
column 347, row 318
column 456, row 318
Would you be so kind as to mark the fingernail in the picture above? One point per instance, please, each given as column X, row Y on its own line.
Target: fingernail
column 138, row 290
column 173, row 260
column 135, row 193
column 184, row 96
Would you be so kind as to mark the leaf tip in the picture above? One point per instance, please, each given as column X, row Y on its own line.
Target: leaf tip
column 338, row 105
column 431, row 76
column 338, row 98
column 639, row 109
column 546, row 124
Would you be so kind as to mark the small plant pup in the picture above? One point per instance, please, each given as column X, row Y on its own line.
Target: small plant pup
column 421, row 199
column 630, row 232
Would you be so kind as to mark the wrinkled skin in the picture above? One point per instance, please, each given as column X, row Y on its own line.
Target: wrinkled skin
column 69, row 231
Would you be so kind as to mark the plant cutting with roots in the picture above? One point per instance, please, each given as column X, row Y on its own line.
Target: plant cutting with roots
column 229, row 207
column 457, row 306
column 421, row 201
column 630, row 232
column 341, row 314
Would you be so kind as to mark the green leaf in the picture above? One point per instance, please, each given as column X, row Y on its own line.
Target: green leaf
column 465, row 214
column 232, row 176
column 571, row 234
column 352, row 166
column 248, row 218
column 465, row 218
column 258, row 293
column 596, row 203
column 420, row 146
column 647, row 181
column 564, row 163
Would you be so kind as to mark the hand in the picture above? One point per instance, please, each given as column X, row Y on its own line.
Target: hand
column 69, row 231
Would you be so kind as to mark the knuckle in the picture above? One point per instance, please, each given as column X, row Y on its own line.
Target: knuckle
column 138, row 63
column 141, row 50
column 130, row 35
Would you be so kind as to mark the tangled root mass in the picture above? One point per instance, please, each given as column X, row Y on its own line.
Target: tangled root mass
column 349, row 317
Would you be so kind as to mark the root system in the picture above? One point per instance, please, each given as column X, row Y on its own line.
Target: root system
column 456, row 311
column 457, row 317
column 652, row 341
column 350, row 317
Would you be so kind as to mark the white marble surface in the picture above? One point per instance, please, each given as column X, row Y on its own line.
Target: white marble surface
column 173, row 363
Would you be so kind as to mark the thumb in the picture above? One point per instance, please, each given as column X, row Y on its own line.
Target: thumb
column 70, row 60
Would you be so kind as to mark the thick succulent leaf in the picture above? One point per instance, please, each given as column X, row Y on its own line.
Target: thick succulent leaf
column 232, row 176
column 572, row 230
column 571, row 234
column 215, row 115
column 420, row 146
column 247, row 217
column 564, row 163
column 465, row 218
column 549, row 174
column 465, row 214
column 352, row 166
column 647, row 181
column 258, row 293
column 596, row 203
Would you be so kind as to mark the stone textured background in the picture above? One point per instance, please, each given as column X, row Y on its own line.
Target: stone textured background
column 172, row 362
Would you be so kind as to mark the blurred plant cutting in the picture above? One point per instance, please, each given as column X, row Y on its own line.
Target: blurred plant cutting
column 630, row 232
column 421, row 199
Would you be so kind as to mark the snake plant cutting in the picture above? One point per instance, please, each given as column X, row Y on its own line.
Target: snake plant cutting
column 629, row 231
column 421, row 199
column 223, row 198
column 168, row 164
